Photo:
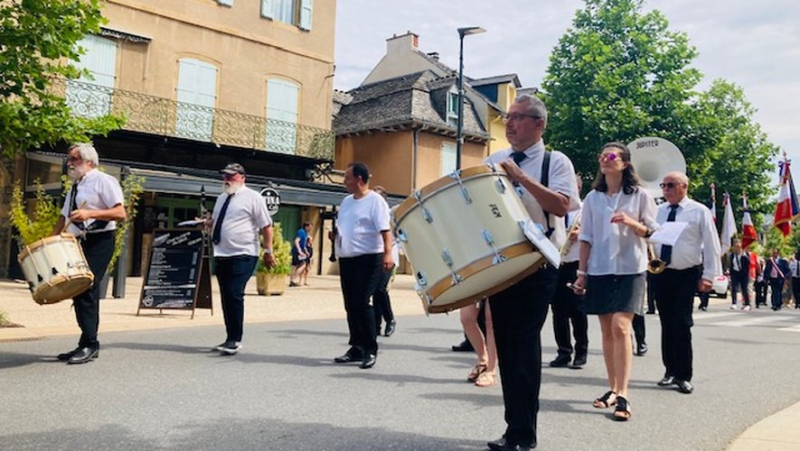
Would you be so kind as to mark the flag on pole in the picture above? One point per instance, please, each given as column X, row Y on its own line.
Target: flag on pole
column 714, row 202
column 783, row 210
column 785, row 167
column 728, row 224
column 748, row 230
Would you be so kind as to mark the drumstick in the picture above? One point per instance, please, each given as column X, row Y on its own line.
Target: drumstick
column 69, row 220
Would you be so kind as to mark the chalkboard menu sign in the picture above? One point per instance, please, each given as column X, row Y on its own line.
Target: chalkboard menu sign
column 177, row 272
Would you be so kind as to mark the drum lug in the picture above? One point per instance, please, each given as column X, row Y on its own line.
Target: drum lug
column 39, row 276
column 401, row 235
column 456, row 175
column 448, row 260
column 501, row 187
column 519, row 190
column 498, row 257
column 31, row 286
column 422, row 281
column 425, row 213
column 54, row 271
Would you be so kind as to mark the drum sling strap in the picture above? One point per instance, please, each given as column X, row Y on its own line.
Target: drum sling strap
column 545, row 180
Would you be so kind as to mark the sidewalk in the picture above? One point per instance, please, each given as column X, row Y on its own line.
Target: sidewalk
column 321, row 300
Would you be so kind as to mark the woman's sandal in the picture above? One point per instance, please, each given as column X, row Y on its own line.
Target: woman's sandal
column 476, row 372
column 623, row 410
column 605, row 401
column 486, row 379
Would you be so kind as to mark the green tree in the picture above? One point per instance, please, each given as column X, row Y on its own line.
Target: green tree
column 37, row 45
column 619, row 74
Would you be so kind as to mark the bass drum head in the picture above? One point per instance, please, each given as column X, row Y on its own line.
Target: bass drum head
column 62, row 288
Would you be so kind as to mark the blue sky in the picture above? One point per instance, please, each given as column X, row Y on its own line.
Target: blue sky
column 753, row 44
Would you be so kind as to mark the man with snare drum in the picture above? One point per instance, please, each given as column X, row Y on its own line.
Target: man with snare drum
column 93, row 206
column 547, row 185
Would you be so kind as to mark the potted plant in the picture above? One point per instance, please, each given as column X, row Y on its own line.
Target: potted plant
column 272, row 281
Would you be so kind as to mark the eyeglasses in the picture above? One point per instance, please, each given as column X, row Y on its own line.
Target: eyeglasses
column 669, row 185
column 518, row 117
column 78, row 158
column 608, row 157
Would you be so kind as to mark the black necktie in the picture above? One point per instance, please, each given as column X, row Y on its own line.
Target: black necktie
column 518, row 157
column 73, row 205
column 666, row 250
column 215, row 238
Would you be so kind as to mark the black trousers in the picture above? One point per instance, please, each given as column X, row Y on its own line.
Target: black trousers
column 761, row 292
column 796, row 289
column 381, row 301
column 232, row 275
column 776, row 286
column 359, row 276
column 651, row 295
column 639, row 330
column 740, row 283
column 675, row 297
column 568, row 307
column 518, row 314
column 98, row 248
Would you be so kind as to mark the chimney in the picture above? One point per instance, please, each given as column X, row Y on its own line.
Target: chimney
column 402, row 43
column 434, row 56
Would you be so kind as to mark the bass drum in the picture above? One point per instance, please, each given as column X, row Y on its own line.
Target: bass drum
column 55, row 269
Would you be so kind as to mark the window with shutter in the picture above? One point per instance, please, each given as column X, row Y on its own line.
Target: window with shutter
column 282, row 100
column 225, row 2
column 306, row 7
column 100, row 60
column 197, row 86
column 448, row 158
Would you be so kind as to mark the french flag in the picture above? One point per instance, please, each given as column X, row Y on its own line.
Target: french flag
column 785, row 210
column 748, row 230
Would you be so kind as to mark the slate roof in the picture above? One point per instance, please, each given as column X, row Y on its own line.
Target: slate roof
column 497, row 79
column 413, row 100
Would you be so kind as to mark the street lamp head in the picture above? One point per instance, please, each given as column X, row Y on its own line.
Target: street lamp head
column 470, row 30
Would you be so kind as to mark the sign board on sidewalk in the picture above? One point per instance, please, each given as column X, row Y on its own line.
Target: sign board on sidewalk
column 273, row 199
column 177, row 272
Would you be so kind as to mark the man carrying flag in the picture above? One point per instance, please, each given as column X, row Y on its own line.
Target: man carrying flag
column 787, row 208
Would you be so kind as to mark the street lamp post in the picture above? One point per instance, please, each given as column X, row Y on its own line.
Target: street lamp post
column 460, row 123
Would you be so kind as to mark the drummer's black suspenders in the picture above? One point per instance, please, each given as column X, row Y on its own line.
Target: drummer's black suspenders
column 545, row 179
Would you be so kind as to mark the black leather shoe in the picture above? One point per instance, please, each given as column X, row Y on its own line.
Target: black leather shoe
column 666, row 381
column 651, row 312
column 578, row 363
column 348, row 357
column 641, row 349
column 390, row 327
column 560, row 361
column 503, row 445
column 68, row 355
column 684, row 387
column 368, row 361
column 84, row 355
column 464, row 346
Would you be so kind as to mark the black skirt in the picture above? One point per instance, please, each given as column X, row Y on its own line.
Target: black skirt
column 613, row 293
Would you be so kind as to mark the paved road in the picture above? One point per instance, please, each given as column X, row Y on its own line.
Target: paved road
column 163, row 390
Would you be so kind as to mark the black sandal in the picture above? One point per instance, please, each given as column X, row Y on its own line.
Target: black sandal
column 623, row 410
column 603, row 403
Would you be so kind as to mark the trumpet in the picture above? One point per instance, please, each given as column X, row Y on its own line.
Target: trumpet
column 655, row 265
column 576, row 224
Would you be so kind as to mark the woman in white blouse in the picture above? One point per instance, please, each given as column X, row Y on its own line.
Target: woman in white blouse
column 617, row 219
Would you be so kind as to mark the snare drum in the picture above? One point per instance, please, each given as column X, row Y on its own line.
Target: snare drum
column 463, row 234
column 55, row 269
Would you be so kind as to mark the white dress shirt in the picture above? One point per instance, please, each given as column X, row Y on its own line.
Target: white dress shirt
column 561, row 180
column 244, row 220
column 698, row 242
column 96, row 191
column 615, row 248
column 574, row 252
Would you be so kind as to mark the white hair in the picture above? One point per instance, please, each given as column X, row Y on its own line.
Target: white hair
column 88, row 153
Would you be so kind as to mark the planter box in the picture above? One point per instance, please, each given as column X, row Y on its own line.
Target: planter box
column 270, row 284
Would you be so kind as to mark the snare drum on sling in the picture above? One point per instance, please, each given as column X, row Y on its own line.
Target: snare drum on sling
column 463, row 234
column 55, row 269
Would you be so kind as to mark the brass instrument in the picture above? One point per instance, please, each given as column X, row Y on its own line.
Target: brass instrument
column 576, row 224
column 655, row 265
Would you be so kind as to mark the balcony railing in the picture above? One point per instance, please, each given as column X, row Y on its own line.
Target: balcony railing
column 160, row 116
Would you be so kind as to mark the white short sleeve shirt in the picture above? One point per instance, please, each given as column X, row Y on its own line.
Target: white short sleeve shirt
column 244, row 220
column 96, row 191
column 360, row 223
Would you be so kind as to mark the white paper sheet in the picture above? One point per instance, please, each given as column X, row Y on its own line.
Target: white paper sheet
column 668, row 233
column 546, row 247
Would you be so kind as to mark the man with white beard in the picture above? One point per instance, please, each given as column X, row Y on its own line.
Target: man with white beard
column 240, row 214
column 93, row 206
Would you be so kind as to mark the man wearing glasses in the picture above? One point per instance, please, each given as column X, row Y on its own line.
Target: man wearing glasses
column 691, row 265
column 93, row 207
column 240, row 216
column 546, row 182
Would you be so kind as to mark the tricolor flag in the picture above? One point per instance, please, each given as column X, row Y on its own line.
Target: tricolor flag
column 728, row 224
column 748, row 231
column 785, row 167
column 784, row 211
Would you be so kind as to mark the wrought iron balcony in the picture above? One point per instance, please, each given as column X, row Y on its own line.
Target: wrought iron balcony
column 160, row 116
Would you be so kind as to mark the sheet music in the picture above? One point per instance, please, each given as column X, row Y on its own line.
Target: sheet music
column 668, row 233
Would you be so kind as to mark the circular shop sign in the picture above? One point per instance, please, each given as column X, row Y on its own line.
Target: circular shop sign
column 273, row 200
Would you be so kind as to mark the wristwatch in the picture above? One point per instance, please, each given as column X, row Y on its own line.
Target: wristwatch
column 268, row 251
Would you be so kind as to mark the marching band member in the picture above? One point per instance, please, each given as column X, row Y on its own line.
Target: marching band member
column 691, row 265
column 518, row 313
column 93, row 206
column 617, row 217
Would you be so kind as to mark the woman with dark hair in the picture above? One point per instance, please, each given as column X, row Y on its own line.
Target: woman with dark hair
column 617, row 218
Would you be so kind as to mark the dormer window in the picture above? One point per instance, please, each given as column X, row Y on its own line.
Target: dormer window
column 452, row 107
